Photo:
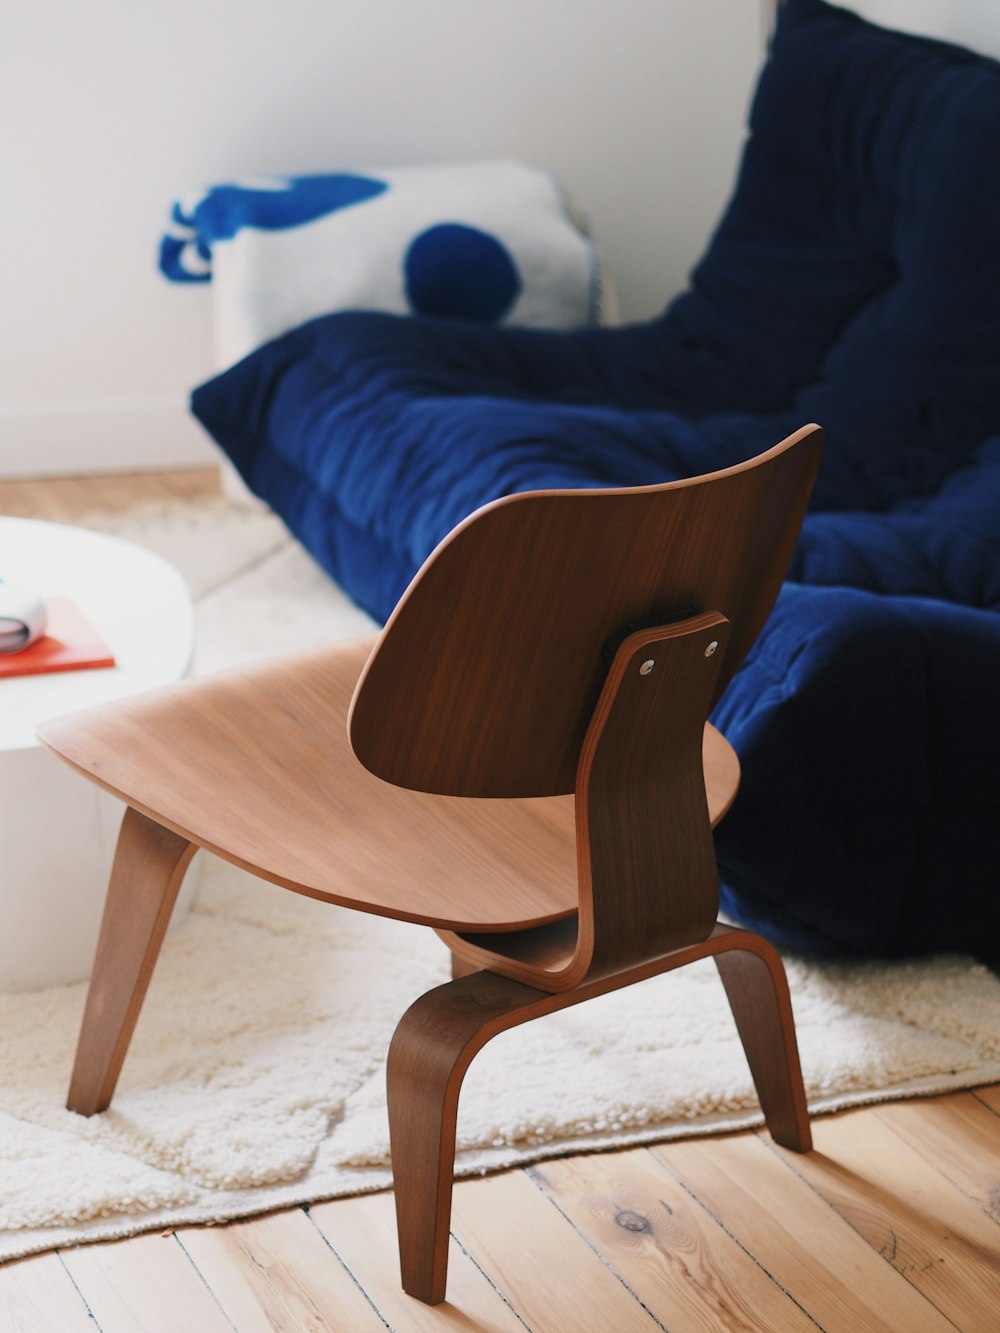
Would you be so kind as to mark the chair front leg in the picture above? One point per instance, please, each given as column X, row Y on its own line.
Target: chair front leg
column 149, row 866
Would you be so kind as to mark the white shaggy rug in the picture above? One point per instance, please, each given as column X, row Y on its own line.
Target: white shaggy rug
column 256, row 1075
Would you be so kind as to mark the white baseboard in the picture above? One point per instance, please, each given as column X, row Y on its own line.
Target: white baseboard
column 112, row 435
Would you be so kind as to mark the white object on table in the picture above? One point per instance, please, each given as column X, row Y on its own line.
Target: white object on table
column 23, row 617
column 58, row 831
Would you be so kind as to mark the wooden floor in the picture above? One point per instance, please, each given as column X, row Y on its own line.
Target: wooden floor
column 65, row 499
column 892, row 1223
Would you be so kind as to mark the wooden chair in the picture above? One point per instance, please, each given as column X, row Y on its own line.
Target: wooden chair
column 560, row 650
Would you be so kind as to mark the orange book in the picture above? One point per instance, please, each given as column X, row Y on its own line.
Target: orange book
column 69, row 644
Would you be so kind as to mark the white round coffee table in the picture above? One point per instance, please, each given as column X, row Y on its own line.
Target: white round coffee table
column 58, row 831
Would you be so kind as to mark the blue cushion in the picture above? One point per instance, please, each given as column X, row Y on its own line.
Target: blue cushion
column 867, row 819
column 852, row 280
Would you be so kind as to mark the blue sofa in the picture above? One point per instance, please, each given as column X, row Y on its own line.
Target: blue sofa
column 853, row 280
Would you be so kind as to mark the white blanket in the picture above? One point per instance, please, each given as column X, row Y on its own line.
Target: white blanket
column 493, row 241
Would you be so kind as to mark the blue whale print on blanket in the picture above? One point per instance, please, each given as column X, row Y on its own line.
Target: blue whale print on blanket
column 219, row 213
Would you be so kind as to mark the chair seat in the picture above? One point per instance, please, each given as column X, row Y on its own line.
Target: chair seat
column 302, row 812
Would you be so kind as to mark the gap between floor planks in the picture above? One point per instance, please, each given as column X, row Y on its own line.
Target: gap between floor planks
column 893, row 1222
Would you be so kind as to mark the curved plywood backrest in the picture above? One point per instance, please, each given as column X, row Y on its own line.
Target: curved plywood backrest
column 484, row 680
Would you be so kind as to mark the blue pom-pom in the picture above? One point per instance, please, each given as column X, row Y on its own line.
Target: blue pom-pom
column 461, row 272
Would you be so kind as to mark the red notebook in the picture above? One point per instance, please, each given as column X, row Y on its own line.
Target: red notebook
column 70, row 644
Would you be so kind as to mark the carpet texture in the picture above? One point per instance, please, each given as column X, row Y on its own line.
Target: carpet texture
column 256, row 1075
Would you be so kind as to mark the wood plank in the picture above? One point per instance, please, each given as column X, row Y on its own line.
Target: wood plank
column 802, row 1243
column 989, row 1097
column 537, row 1259
column 362, row 1230
column 145, row 1284
column 675, row 1257
column 277, row 1272
column 193, row 484
column 37, row 1295
column 939, row 1240
column 63, row 499
column 957, row 1134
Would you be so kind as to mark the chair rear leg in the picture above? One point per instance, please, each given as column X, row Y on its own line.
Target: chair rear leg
column 754, row 977
column 149, row 866
column 440, row 1033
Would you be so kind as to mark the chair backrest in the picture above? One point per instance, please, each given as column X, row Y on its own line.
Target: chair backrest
column 486, row 676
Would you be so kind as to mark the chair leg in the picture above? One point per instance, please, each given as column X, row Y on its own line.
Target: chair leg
column 149, row 866
column 439, row 1035
column 757, row 988
column 431, row 1050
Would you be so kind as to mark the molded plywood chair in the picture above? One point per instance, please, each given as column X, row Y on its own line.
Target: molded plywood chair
column 566, row 645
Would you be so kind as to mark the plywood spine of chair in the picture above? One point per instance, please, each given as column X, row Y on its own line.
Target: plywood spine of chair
column 648, row 876
column 648, row 881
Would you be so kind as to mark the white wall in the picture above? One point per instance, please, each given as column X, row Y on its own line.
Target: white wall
column 118, row 105
column 112, row 107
